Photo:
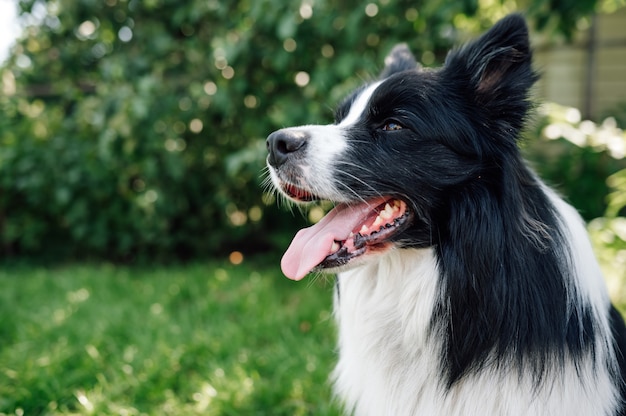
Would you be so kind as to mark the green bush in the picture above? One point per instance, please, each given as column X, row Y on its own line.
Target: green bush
column 136, row 128
column 576, row 156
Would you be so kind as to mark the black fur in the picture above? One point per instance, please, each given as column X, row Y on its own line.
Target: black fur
column 474, row 196
column 445, row 141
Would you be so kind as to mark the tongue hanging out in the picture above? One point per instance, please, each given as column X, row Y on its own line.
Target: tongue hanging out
column 346, row 232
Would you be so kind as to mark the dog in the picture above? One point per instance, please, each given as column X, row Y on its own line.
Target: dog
column 465, row 285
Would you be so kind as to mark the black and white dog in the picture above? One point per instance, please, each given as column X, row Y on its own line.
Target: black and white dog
column 466, row 286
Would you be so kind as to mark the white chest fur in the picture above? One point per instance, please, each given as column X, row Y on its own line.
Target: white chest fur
column 390, row 365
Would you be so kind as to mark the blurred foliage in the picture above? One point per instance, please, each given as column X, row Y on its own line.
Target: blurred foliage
column 609, row 237
column 586, row 162
column 136, row 128
column 576, row 156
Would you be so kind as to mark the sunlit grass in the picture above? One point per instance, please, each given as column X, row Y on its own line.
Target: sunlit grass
column 203, row 339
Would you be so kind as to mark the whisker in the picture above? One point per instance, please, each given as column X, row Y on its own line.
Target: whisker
column 358, row 167
column 356, row 178
column 316, row 276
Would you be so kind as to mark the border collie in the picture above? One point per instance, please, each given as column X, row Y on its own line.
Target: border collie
column 465, row 285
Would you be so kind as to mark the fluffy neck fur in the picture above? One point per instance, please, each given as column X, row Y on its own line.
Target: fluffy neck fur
column 390, row 363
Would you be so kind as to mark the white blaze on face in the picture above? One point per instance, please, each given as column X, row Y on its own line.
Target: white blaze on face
column 359, row 105
column 327, row 143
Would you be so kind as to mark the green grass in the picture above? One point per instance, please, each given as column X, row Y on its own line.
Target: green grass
column 201, row 339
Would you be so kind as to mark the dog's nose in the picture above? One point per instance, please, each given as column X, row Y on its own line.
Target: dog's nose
column 283, row 143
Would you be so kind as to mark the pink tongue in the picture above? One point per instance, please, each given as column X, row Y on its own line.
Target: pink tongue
column 311, row 245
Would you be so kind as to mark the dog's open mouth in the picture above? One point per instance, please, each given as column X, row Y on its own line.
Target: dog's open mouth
column 347, row 232
column 297, row 193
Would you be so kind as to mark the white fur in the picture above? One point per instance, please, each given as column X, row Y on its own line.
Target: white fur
column 388, row 365
column 325, row 144
column 359, row 105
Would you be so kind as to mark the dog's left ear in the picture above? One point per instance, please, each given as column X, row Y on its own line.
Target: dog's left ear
column 494, row 74
column 497, row 64
column 399, row 59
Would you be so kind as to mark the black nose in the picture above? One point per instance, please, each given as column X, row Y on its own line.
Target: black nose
column 285, row 143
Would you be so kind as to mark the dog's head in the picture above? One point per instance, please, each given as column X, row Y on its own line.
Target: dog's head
column 401, row 146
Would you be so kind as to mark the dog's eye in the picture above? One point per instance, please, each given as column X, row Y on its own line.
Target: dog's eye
column 392, row 125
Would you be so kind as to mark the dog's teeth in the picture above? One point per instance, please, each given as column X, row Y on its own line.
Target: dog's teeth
column 351, row 235
column 378, row 221
column 387, row 213
column 383, row 219
column 334, row 247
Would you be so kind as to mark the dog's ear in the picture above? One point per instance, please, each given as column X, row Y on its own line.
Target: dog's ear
column 494, row 73
column 399, row 59
column 497, row 64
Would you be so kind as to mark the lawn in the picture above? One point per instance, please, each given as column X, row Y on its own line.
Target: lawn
column 201, row 339
column 207, row 338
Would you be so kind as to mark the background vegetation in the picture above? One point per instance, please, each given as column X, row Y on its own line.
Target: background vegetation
column 202, row 339
column 135, row 129
column 132, row 131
